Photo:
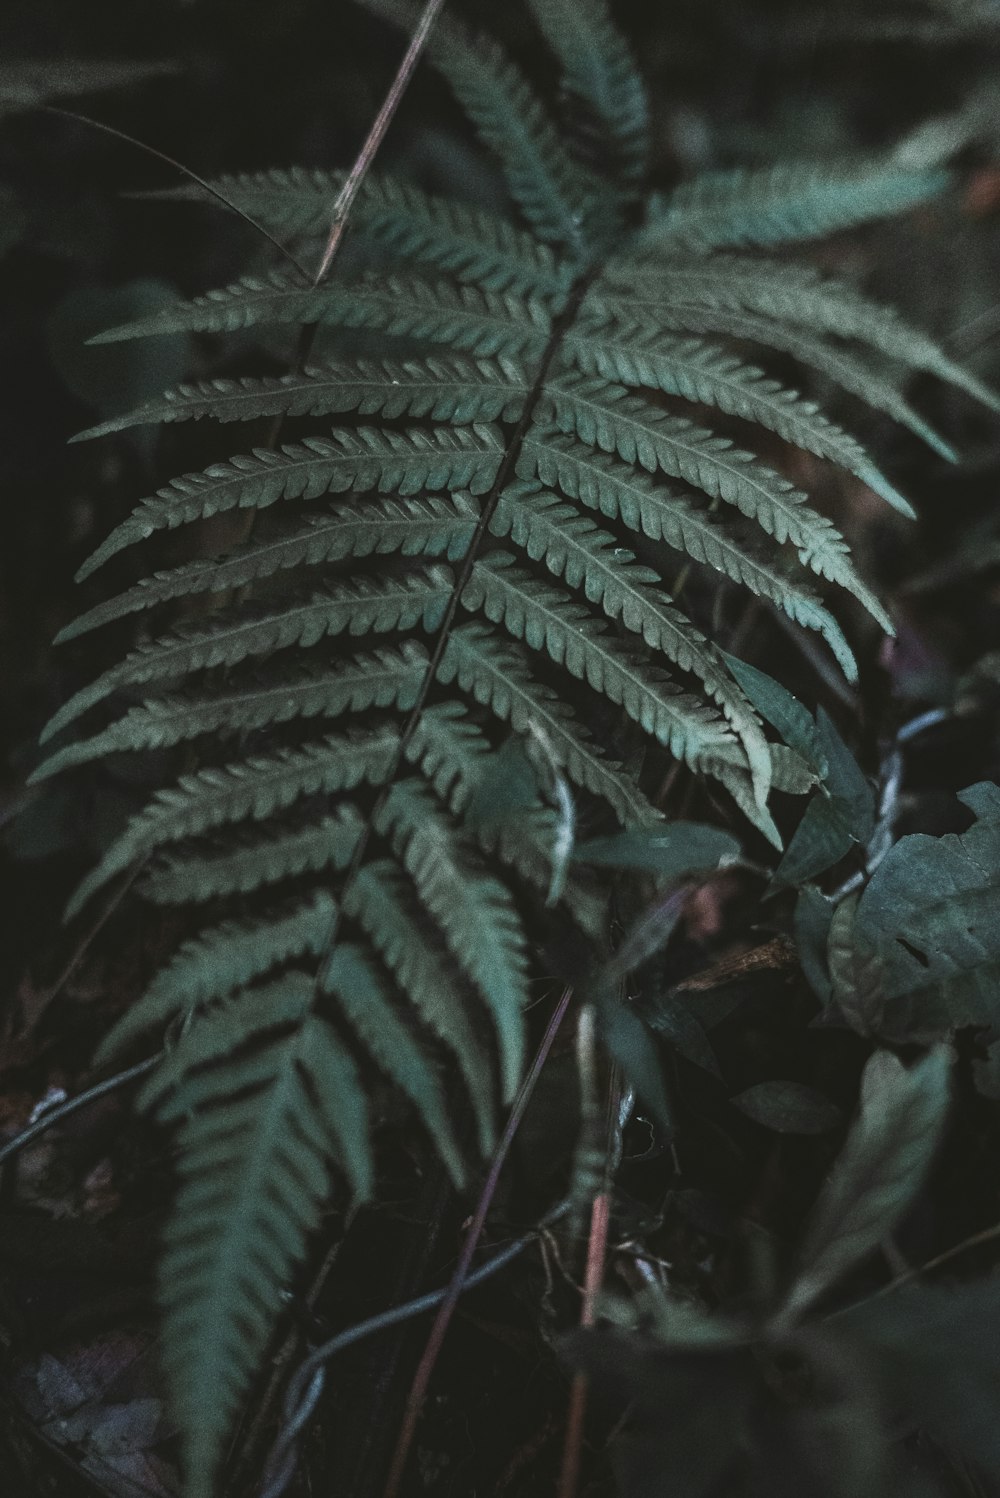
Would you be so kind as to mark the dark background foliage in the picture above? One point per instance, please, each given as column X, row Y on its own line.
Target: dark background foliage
column 232, row 86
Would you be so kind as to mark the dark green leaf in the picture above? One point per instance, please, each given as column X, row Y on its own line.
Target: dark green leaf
column 788, row 1108
column 881, row 1168
column 673, row 851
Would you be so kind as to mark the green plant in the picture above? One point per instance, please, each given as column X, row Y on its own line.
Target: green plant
column 495, row 547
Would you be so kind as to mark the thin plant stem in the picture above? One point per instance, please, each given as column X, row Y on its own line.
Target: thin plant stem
column 186, row 171
column 597, row 1248
column 55, row 1115
column 357, row 174
column 305, row 1389
column 425, row 1368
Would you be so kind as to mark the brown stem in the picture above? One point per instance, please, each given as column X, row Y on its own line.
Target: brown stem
column 425, row 1368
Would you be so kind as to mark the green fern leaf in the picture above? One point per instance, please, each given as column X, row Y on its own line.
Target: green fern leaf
column 251, row 788
column 385, row 678
column 596, row 479
column 190, row 878
column 430, row 526
column 364, row 459
column 789, row 293
column 415, row 599
column 575, row 549
column 397, row 216
column 352, row 978
column 291, row 201
column 611, row 418
column 376, row 899
column 600, row 74
column 704, row 373
column 473, row 910
column 790, row 201
column 510, row 121
column 470, row 243
column 217, row 963
column 440, row 389
column 501, row 679
column 456, row 758
column 464, row 317
column 254, row 1175
column 814, row 350
column 550, row 620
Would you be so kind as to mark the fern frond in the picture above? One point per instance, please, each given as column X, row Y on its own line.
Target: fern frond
column 576, row 550
column 499, row 678
column 704, row 373
column 254, row 1175
column 189, row 878
column 376, row 899
column 464, row 317
column 470, row 243
column 798, row 294
column 844, row 366
column 787, row 202
column 473, row 910
column 253, row 788
column 456, row 758
column 364, row 459
column 609, row 417
column 215, row 964
column 415, row 599
column 595, row 479
column 600, row 76
column 362, row 996
column 414, row 225
column 552, row 621
column 428, row 527
column 385, row 678
column 508, row 118
column 291, row 201
column 439, row 389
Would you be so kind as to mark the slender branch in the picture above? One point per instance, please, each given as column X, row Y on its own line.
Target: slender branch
column 307, row 1385
column 141, row 145
column 52, row 1116
column 597, row 1248
column 357, row 174
column 425, row 1368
